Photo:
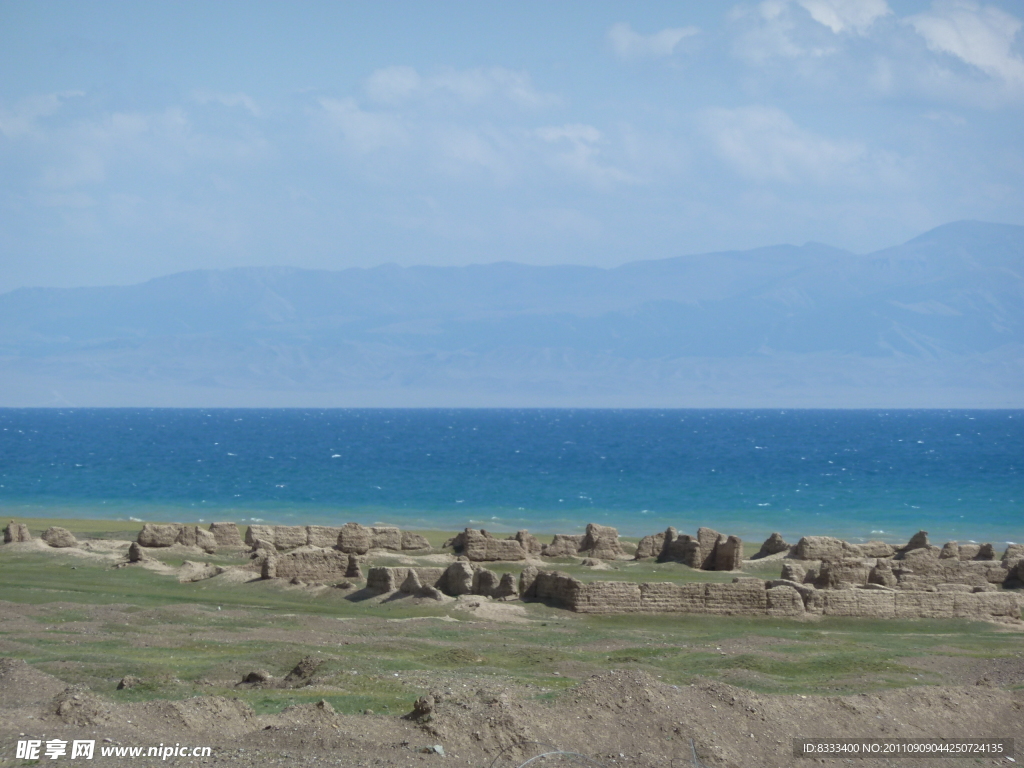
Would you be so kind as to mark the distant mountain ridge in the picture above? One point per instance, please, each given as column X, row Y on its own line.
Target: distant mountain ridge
column 936, row 321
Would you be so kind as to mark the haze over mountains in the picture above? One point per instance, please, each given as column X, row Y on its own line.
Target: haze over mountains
column 935, row 322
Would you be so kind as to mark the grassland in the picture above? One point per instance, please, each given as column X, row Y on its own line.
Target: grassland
column 84, row 621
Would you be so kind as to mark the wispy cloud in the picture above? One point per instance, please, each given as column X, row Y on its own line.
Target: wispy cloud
column 772, row 31
column 764, row 144
column 578, row 151
column 400, row 84
column 846, row 15
column 980, row 36
column 362, row 131
column 233, row 100
column 21, row 120
column 629, row 44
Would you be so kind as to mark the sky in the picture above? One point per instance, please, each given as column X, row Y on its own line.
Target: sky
column 139, row 139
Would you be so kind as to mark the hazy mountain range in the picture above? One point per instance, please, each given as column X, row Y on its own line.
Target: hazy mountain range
column 935, row 322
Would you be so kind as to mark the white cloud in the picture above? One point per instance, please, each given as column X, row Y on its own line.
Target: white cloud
column 393, row 85
column 941, row 116
column 576, row 134
column 844, row 15
column 579, row 153
column 363, row 131
column 629, row 44
column 69, row 153
column 981, row 36
column 765, row 145
column 770, row 33
column 458, row 149
column 82, row 152
column 234, row 100
column 399, row 84
column 21, row 121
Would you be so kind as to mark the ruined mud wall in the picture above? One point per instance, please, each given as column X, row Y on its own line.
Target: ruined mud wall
column 459, row 578
column 310, row 565
column 709, row 551
column 755, row 597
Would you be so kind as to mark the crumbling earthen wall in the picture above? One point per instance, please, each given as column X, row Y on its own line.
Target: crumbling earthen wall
column 309, row 565
column 460, row 578
column 227, row 535
column 391, row 579
column 709, row 551
column 563, row 545
column 480, row 546
column 349, row 538
column 169, row 534
column 16, row 532
column 601, row 541
column 755, row 597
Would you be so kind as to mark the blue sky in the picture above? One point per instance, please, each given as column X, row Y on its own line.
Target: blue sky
column 143, row 138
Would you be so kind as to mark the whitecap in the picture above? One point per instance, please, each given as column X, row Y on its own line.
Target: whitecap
column 135, row 519
column 335, row 455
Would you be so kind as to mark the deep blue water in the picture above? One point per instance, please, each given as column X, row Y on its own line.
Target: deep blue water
column 857, row 474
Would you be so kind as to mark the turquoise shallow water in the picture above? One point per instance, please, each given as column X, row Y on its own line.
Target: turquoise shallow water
column 857, row 474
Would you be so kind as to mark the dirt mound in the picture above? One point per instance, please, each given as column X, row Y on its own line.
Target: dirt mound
column 303, row 672
column 634, row 715
column 487, row 720
column 22, row 685
column 77, row 705
column 211, row 716
column 191, row 571
column 624, row 717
